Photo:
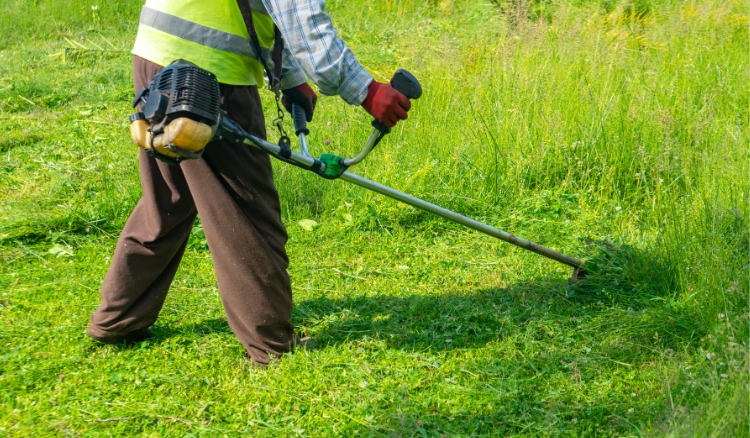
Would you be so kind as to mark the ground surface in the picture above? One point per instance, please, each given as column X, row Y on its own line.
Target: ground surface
column 612, row 131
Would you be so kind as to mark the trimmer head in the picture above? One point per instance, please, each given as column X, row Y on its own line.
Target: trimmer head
column 579, row 275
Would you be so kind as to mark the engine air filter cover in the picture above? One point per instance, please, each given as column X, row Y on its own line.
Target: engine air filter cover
column 181, row 89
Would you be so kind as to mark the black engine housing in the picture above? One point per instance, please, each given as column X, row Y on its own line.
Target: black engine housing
column 181, row 89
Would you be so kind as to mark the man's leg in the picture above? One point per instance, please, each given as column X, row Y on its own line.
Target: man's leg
column 239, row 208
column 146, row 256
column 150, row 246
column 232, row 188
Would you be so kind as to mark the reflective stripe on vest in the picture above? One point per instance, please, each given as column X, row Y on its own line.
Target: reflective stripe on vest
column 227, row 52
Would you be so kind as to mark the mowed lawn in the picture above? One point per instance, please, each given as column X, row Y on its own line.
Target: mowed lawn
column 614, row 131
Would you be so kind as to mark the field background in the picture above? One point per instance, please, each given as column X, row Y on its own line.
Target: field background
column 612, row 130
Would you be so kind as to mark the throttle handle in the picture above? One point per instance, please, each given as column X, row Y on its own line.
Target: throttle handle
column 406, row 84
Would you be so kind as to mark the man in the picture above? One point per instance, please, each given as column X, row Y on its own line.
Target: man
column 231, row 186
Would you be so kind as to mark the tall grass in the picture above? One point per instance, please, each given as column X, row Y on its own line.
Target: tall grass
column 616, row 131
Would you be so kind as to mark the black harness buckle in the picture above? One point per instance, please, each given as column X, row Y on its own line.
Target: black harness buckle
column 286, row 147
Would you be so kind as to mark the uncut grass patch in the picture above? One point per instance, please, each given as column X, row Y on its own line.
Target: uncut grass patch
column 612, row 131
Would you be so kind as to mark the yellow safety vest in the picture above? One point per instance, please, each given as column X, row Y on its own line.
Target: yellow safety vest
column 210, row 34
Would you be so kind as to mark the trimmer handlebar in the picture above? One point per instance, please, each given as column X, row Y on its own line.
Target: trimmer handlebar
column 402, row 81
column 406, row 84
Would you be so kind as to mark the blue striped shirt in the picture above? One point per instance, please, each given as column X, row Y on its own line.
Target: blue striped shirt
column 313, row 48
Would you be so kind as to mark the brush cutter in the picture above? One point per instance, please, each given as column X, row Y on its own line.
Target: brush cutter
column 180, row 114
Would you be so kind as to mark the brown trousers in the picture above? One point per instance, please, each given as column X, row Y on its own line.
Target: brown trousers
column 232, row 190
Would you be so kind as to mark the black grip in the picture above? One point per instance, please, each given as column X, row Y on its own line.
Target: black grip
column 406, row 84
column 300, row 120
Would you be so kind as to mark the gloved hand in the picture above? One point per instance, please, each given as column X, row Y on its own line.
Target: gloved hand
column 303, row 96
column 386, row 104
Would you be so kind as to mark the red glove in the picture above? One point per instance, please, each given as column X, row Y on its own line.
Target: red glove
column 303, row 96
column 386, row 104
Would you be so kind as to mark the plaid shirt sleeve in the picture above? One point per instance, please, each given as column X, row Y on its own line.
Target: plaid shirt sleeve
column 312, row 47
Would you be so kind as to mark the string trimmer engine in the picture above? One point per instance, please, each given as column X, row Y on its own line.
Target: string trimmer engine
column 179, row 113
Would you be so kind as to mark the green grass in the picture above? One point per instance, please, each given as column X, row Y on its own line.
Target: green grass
column 612, row 131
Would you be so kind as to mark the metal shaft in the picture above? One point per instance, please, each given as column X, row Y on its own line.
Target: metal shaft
column 463, row 220
column 427, row 206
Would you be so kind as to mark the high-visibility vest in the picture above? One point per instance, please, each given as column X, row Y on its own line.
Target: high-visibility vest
column 210, row 34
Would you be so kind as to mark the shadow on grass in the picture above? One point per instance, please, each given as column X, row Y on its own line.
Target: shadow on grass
column 473, row 319
column 562, row 332
column 624, row 297
column 161, row 333
column 625, row 274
